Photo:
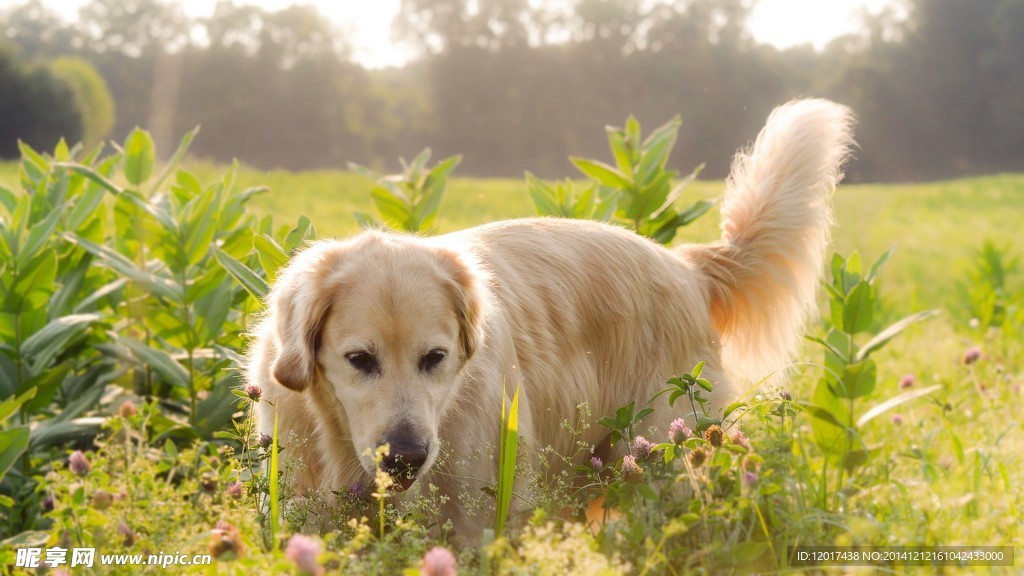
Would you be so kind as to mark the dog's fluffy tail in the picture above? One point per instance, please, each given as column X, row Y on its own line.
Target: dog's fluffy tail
column 762, row 275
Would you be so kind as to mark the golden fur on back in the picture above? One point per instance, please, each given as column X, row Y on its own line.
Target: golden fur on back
column 570, row 311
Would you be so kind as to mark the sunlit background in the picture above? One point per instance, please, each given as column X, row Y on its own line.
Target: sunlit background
column 367, row 25
column 519, row 85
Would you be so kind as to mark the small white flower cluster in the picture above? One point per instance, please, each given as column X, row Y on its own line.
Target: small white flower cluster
column 566, row 549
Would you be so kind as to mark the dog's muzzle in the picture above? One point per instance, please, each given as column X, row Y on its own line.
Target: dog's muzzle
column 404, row 460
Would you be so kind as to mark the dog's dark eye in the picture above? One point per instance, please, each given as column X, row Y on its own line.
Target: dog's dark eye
column 431, row 359
column 364, row 362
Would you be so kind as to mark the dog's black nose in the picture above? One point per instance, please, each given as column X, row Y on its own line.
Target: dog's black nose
column 404, row 460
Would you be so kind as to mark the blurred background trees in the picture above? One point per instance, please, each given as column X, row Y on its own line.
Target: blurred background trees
column 514, row 85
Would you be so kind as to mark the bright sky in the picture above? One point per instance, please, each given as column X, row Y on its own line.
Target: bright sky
column 783, row 23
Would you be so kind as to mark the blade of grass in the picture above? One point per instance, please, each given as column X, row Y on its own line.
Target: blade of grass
column 509, row 442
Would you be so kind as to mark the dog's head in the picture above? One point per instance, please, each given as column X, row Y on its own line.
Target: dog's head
column 385, row 323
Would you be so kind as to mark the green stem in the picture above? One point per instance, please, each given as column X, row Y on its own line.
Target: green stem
column 20, row 365
column 190, row 344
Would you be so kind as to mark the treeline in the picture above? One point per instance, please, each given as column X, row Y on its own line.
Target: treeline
column 939, row 90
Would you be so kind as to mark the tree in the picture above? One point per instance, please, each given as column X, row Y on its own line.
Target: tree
column 91, row 95
column 35, row 107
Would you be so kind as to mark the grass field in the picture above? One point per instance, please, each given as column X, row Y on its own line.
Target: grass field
column 947, row 469
column 935, row 227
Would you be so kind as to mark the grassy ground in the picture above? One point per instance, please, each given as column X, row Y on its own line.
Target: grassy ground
column 947, row 469
column 935, row 227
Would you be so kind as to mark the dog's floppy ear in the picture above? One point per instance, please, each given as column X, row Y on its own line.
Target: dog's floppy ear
column 466, row 283
column 299, row 304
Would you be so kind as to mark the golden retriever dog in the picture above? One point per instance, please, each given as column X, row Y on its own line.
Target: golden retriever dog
column 411, row 341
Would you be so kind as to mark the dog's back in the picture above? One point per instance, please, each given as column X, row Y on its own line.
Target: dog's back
column 596, row 313
column 600, row 314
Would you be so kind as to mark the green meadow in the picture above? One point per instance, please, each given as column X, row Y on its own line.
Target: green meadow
column 935, row 227
column 943, row 468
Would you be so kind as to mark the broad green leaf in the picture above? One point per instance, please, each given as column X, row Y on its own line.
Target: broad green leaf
column 697, row 370
column 7, row 199
column 85, row 206
column 831, row 433
column 28, row 539
column 45, row 345
column 303, row 232
column 89, row 302
column 61, row 152
column 732, row 408
column 212, row 311
column 272, row 257
column 39, row 234
column 656, row 150
column 46, row 383
column 211, row 280
column 675, row 193
column 602, row 172
column 858, row 380
column 608, row 204
column 433, row 189
column 393, row 207
column 620, row 150
column 581, row 206
column 632, row 133
column 851, row 273
column 30, row 157
column 87, row 398
column 39, row 275
column 873, row 272
column 667, row 231
column 836, row 266
column 858, row 310
column 49, row 433
column 414, row 170
column 542, row 196
column 95, row 176
column 155, row 210
column 828, row 346
column 249, row 280
column 139, row 157
column 13, row 443
column 214, row 412
column 116, row 261
column 856, row 458
column 651, row 197
column 159, row 361
column 10, row 405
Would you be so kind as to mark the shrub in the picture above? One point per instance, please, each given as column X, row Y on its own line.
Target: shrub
column 637, row 192
column 91, row 96
column 112, row 287
column 35, row 106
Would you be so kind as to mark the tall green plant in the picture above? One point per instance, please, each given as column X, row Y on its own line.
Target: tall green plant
column 411, row 199
column 638, row 190
column 178, row 327
column 508, row 445
column 51, row 304
column 988, row 298
column 561, row 200
column 850, row 373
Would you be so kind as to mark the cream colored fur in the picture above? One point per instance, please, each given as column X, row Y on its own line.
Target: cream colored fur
column 572, row 311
